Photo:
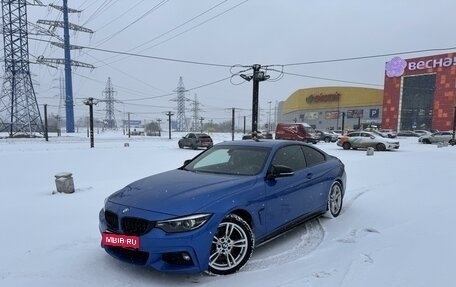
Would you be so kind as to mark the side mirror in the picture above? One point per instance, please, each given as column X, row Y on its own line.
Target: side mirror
column 187, row 162
column 279, row 171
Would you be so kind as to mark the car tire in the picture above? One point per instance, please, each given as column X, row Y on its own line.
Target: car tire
column 380, row 147
column 180, row 145
column 231, row 247
column 335, row 200
column 346, row 145
column 327, row 139
column 426, row 141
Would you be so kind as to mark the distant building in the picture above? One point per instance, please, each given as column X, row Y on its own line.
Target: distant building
column 419, row 93
column 324, row 107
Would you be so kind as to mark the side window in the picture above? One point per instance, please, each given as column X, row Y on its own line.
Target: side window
column 313, row 156
column 290, row 156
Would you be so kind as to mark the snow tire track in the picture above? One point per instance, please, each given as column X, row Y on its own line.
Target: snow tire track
column 310, row 234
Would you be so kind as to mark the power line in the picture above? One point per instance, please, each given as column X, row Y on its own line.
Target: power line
column 173, row 29
column 367, row 57
column 196, row 26
column 147, row 56
column 163, row 2
column 121, row 15
column 328, row 79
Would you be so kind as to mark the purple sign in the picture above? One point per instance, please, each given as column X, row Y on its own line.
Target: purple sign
column 395, row 67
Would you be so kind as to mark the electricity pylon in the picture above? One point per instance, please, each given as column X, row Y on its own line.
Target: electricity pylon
column 19, row 111
column 181, row 99
column 66, row 25
column 110, row 119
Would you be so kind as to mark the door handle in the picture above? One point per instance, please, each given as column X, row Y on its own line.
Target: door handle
column 309, row 176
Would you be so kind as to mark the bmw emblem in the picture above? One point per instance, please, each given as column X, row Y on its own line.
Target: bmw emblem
column 125, row 210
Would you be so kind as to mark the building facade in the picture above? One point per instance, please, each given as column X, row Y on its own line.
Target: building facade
column 327, row 107
column 419, row 93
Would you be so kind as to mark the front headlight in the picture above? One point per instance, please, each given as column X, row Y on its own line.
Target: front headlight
column 183, row 224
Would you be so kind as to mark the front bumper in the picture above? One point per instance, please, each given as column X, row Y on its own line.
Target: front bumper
column 185, row 252
column 394, row 145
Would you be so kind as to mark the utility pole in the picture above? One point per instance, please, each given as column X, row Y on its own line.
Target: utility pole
column 269, row 118
column 169, row 114
column 46, row 122
column 201, row 123
column 343, row 122
column 67, row 59
column 232, row 123
column 257, row 77
column 89, row 102
column 159, row 127
column 129, row 134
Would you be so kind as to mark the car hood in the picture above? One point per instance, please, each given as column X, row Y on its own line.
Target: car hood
column 179, row 192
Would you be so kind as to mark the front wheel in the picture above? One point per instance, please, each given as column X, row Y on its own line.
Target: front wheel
column 335, row 199
column 381, row 147
column 231, row 247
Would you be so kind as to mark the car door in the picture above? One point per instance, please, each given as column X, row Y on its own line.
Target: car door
column 189, row 139
column 368, row 140
column 289, row 197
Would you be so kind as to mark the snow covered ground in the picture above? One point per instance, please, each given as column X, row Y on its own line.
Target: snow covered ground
column 397, row 227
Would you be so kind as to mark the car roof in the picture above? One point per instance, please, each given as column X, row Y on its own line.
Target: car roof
column 268, row 143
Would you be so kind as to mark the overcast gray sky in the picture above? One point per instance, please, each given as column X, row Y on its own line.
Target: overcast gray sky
column 224, row 33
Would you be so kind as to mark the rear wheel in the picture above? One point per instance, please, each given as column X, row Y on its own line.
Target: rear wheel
column 327, row 139
column 232, row 246
column 346, row 145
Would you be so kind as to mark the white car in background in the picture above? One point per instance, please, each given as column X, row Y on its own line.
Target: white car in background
column 438, row 137
column 365, row 140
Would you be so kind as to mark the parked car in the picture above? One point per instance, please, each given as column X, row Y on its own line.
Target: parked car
column 196, row 140
column 296, row 131
column 364, row 139
column 388, row 133
column 407, row 133
column 209, row 214
column 438, row 137
column 259, row 135
column 422, row 132
column 326, row 136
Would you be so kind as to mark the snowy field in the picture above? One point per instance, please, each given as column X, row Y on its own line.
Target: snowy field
column 396, row 229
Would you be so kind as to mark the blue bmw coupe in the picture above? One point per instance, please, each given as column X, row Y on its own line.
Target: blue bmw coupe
column 209, row 214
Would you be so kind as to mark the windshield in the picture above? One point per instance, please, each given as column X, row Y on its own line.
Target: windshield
column 309, row 129
column 236, row 160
